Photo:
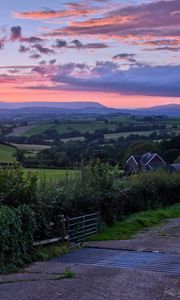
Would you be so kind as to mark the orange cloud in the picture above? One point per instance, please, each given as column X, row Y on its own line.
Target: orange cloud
column 52, row 14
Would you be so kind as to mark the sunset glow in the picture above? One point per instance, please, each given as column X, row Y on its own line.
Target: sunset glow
column 115, row 52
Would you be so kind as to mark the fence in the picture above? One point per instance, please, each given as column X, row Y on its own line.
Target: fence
column 79, row 228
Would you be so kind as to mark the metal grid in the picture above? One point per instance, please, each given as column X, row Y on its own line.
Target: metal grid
column 148, row 261
column 81, row 227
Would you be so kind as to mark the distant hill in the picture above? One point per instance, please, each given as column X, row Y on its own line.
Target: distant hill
column 167, row 110
column 64, row 105
column 60, row 108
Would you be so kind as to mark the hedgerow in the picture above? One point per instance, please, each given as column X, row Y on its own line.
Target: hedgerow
column 31, row 209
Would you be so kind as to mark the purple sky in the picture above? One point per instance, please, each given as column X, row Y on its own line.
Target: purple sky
column 120, row 53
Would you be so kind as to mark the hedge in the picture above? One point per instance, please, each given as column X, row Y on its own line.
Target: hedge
column 17, row 226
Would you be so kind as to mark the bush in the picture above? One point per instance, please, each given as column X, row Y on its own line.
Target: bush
column 32, row 210
column 17, row 226
column 17, row 188
column 102, row 188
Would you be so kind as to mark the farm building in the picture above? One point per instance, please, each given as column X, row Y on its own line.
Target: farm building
column 146, row 162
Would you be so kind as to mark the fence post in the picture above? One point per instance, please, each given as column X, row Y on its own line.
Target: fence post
column 63, row 221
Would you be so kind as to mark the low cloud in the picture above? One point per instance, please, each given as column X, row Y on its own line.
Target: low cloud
column 16, row 33
column 107, row 77
column 32, row 39
column 35, row 56
column 43, row 50
column 52, row 61
column 77, row 44
column 167, row 48
column 23, row 49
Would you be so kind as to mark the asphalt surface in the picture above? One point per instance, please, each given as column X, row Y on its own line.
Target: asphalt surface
column 43, row 280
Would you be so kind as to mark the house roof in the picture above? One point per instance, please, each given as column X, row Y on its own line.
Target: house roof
column 137, row 158
column 145, row 158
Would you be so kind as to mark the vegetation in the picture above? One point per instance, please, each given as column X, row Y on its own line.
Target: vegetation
column 136, row 222
column 68, row 141
column 17, row 227
column 31, row 210
column 43, row 253
column 33, row 199
column 51, row 174
column 7, row 154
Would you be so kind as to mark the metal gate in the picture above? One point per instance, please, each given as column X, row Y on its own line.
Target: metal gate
column 79, row 228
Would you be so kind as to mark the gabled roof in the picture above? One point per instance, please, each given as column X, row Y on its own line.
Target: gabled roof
column 136, row 158
column 145, row 158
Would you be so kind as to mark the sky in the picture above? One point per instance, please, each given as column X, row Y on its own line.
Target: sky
column 121, row 53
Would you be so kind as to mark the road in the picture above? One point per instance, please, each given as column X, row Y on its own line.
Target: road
column 149, row 270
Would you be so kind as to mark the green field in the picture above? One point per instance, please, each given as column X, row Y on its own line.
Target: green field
column 85, row 126
column 117, row 135
column 30, row 147
column 64, row 127
column 78, row 138
column 6, row 154
column 125, row 134
column 52, row 174
column 38, row 129
column 132, row 224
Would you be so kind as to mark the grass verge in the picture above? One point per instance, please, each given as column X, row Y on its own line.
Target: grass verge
column 43, row 253
column 125, row 229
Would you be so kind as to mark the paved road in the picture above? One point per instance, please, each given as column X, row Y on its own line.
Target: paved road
column 99, row 281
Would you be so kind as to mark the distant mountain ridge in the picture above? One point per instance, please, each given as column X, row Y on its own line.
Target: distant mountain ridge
column 64, row 105
column 59, row 108
column 172, row 109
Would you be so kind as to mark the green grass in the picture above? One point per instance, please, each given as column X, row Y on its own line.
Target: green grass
column 6, row 154
column 117, row 135
column 66, row 274
column 84, row 126
column 52, row 174
column 38, row 129
column 136, row 222
column 64, row 127
column 44, row 253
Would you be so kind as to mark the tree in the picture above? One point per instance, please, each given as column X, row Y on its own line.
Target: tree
column 171, row 155
column 19, row 155
column 140, row 148
column 177, row 159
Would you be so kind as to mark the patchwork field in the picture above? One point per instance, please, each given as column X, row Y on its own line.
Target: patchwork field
column 64, row 127
column 29, row 147
column 78, row 138
column 83, row 127
column 117, row 135
column 38, row 129
column 20, row 131
column 6, row 154
column 91, row 124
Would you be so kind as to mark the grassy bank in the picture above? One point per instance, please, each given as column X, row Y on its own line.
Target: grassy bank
column 136, row 222
column 6, row 154
column 51, row 174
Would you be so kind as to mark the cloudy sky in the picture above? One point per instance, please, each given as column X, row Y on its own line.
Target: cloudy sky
column 122, row 53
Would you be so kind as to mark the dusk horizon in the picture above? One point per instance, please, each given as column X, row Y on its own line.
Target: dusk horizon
column 52, row 104
column 118, row 53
